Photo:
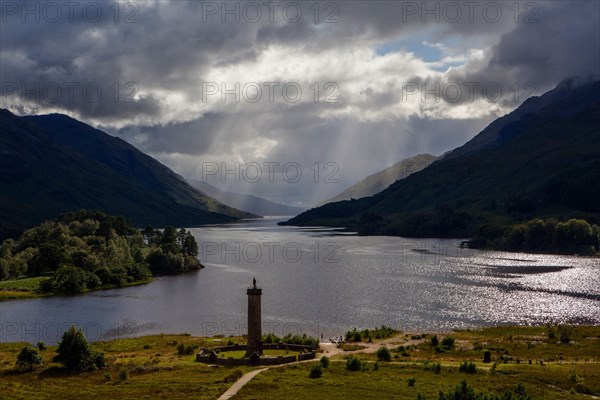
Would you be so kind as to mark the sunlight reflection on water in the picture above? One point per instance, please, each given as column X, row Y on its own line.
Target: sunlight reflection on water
column 413, row 284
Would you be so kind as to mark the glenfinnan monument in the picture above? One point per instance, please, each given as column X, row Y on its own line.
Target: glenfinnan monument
column 255, row 344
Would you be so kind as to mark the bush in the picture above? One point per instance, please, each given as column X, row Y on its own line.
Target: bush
column 565, row 332
column 74, row 352
column 434, row 341
column 324, row 362
column 367, row 335
column 315, row 371
column 467, row 367
column 412, row 381
column 353, row 363
column 183, row 350
column 383, row 354
column 464, row 391
column 123, row 374
column 550, row 332
column 41, row 346
column 448, row 342
column 28, row 358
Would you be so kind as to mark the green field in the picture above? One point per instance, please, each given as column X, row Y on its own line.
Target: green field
column 155, row 370
column 29, row 288
column 21, row 288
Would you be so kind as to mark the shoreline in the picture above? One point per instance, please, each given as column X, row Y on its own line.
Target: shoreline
column 8, row 294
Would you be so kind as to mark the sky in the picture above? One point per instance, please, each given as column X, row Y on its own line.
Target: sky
column 290, row 101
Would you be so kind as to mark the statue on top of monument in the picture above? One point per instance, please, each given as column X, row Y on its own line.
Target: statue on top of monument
column 254, row 283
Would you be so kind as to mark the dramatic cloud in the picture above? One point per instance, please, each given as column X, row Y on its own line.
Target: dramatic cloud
column 345, row 87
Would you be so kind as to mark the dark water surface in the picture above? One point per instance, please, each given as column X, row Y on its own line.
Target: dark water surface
column 323, row 281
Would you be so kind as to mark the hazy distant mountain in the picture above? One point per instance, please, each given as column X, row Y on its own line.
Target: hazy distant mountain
column 52, row 164
column 246, row 202
column 379, row 181
column 540, row 162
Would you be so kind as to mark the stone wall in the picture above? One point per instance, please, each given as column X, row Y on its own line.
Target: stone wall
column 205, row 356
column 307, row 356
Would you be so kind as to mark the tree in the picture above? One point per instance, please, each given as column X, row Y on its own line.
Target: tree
column 181, row 237
column 149, row 234
column 190, row 246
column 75, row 353
column 49, row 258
column 69, row 280
column 168, row 241
column 28, row 358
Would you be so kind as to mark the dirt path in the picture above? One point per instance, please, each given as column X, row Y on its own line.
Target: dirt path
column 326, row 348
column 232, row 391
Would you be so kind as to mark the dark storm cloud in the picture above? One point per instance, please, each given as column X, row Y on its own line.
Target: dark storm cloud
column 150, row 71
column 563, row 43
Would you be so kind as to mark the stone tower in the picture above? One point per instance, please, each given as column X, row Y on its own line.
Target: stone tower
column 254, row 320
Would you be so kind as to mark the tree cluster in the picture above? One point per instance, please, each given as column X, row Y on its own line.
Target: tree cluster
column 88, row 249
column 547, row 235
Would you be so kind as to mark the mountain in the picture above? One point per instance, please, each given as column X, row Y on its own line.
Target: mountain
column 52, row 164
column 531, row 105
column 377, row 182
column 540, row 162
column 246, row 202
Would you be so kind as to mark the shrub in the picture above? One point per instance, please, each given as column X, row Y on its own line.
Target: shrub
column 74, row 352
column 448, row 342
column 565, row 332
column 412, row 381
column 315, row 371
column 434, row 341
column 41, row 346
column 467, row 367
column 324, row 362
column 383, row 354
column 98, row 360
column 437, row 368
column 183, row 350
column 550, row 332
column 464, row 391
column 123, row 374
column 28, row 358
column 353, row 363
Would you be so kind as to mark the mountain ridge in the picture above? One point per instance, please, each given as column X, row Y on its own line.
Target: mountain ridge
column 247, row 202
column 507, row 179
column 379, row 181
column 55, row 164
